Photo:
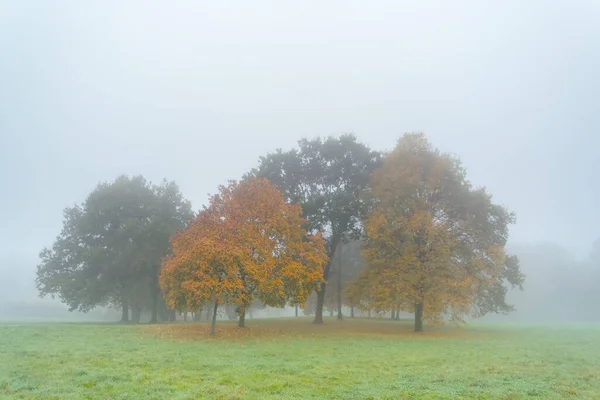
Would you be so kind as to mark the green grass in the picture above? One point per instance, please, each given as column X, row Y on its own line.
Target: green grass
column 291, row 358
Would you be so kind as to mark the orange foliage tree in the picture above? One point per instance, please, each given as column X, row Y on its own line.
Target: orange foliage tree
column 247, row 244
column 434, row 245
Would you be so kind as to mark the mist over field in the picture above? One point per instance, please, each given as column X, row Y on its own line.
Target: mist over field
column 93, row 91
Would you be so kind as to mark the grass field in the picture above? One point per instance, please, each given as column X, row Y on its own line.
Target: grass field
column 291, row 358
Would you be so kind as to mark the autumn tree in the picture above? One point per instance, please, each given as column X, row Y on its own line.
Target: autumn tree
column 435, row 245
column 111, row 246
column 247, row 244
column 327, row 177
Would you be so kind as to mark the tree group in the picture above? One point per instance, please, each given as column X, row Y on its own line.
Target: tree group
column 401, row 231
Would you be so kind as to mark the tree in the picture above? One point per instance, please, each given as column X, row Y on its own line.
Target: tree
column 62, row 271
column 111, row 246
column 171, row 213
column 347, row 265
column 327, row 177
column 340, row 315
column 435, row 245
column 352, row 266
column 247, row 244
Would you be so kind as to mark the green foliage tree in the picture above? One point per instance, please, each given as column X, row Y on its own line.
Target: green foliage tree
column 62, row 271
column 171, row 213
column 111, row 246
column 327, row 177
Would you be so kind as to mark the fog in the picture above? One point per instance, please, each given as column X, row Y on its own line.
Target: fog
column 197, row 91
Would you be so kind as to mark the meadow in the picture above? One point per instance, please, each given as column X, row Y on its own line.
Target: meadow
column 291, row 358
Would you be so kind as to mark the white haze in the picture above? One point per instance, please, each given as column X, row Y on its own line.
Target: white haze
column 196, row 91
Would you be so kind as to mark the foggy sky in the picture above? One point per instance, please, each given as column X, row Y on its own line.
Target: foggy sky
column 197, row 91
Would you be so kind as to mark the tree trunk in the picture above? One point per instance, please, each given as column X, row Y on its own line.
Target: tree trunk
column 125, row 312
column 136, row 314
column 242, row 319
column 321, row 293
column 154, row 316
column 393, row 317
column 340, row 316
column 398, row 314
column 163, row 312
column 296, row 310
column 369, row 313
column 351, row 311
column 331, row 312
column 207, row 312
column 419, row 317
column 185, row 312
column 172, row 315
column 155, row 294
column 214, row 319
column 320, row 305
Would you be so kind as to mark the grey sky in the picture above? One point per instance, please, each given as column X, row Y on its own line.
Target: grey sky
column 197, row 91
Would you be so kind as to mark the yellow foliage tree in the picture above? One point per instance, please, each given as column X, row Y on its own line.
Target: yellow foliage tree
column 247, row 244
column 434, row 244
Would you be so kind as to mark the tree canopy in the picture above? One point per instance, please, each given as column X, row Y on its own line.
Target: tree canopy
column 327, row 177
column 110, row 248
column 434, row 244
column 247, row 244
